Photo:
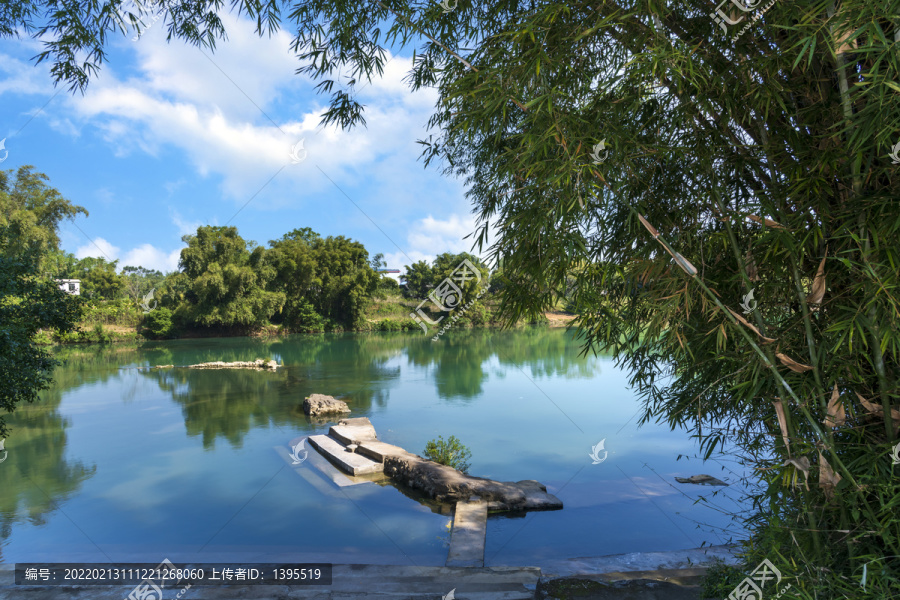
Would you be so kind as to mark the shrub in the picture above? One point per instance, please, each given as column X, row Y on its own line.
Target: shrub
column 720, row 579
column 451, row 453
column 101, row 335
column 158, row 323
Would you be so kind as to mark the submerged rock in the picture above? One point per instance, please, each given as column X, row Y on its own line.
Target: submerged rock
column 259, row 363
column 320, row 404
column 701, row 479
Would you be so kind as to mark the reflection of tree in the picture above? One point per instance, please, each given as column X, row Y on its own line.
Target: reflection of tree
column 352, row 367
column 226, row 402
column 460, row 357
column 34, row 476
column 231, row 402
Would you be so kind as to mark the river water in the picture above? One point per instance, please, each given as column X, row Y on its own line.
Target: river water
column 118, row 462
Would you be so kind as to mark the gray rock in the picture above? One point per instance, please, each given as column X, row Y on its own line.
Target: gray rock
column 320, row 404
column 446, row 484
column 259, row 363
column 701, row 479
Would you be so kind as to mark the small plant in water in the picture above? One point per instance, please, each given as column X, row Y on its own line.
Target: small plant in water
column 451, row 453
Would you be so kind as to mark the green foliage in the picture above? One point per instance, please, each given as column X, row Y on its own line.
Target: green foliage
column 139, row 282
column 324, row 280
column 397, row 325
column 720, row 579
column 99, row 279
column 387, row 286
column 451, row 453
column 224, row 282
column 418, row 278
column 28, row 302
column 158, row 323
column 33, row 210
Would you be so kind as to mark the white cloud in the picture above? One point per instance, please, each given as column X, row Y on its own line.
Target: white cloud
column 98, row 248
column 150, row 257
column 179, row 98
column 145, row 255
column 185, row 227
column 429, row 233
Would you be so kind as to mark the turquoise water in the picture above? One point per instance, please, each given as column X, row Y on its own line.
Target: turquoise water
column 117, row 462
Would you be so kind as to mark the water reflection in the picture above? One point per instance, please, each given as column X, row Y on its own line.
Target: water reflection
column 229, row 405
column 35, row 476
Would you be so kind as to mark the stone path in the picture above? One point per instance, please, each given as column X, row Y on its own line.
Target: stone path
column 467, row 537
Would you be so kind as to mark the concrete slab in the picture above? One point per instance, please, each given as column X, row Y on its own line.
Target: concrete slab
column 351, row 431
column 467, row 535
column 352, row 463
column 377, row 451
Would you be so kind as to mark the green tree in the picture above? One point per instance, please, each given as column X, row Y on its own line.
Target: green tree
column 99, row 279
column 449, row 266
column 224, row 282
column 139, row 282
column 323, row 279
column 28, row 302
column 34, row 209
column 419, row 279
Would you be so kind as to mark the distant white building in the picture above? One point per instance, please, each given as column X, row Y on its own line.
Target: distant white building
column 70, row 286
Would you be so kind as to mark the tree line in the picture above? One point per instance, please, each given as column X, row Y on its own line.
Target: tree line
column 301, row 282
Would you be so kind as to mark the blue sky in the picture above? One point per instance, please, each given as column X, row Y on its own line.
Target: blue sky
column 170, row 137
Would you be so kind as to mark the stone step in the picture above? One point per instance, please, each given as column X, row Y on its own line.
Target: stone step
column 350, row 431
column 352, row 463
column 467, row 536
column 378, row 450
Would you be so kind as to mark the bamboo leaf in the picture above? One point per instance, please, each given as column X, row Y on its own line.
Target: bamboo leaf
column 836, row 415
column 782, row 424
column 747, row 323
column 817, row 292
column 768, row 222
column 828, row 479
column 792, row 364
column 649, row 227
column 800, row 464
column 878, row 410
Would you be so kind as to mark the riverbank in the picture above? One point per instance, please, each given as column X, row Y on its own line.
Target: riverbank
column 99, row 333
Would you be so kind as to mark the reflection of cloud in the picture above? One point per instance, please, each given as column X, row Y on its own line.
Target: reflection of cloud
column 609, row 491
column 153, row 484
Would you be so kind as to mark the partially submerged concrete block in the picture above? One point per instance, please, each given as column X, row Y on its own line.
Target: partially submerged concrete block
column 349, row 462
column 468, row 535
